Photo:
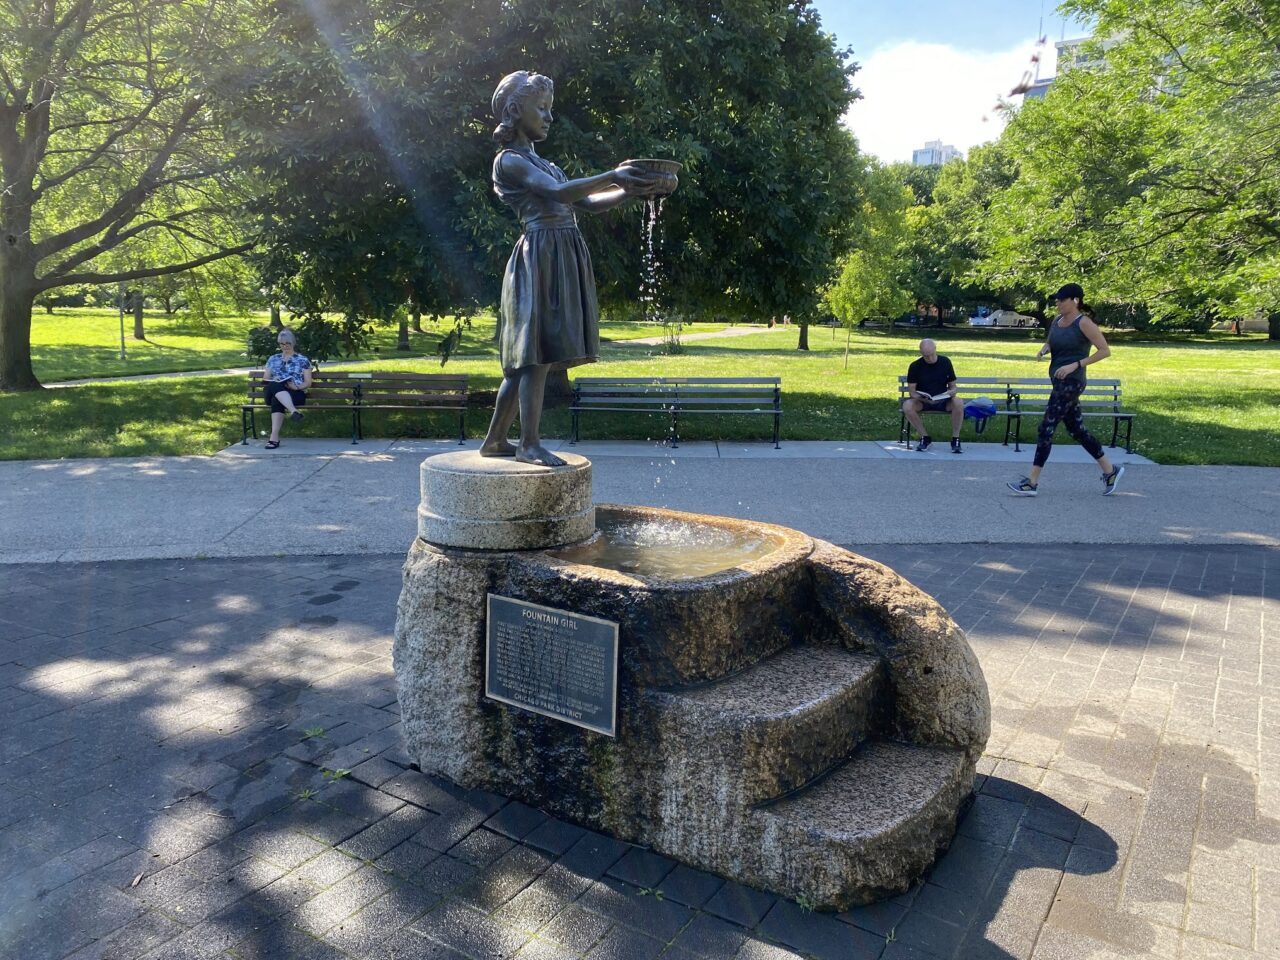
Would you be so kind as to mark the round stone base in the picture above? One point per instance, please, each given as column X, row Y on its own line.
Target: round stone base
column 497, row 503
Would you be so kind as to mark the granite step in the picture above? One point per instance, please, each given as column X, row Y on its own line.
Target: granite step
column 866, row 829
column 774, row 726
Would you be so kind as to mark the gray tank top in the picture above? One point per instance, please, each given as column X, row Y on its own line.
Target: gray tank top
column 1068, row 345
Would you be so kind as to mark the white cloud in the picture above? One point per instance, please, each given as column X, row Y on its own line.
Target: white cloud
column 913, row 92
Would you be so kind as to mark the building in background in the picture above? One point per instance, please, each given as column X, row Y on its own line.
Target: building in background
column 1038, row 89
column 1071, row 55
column 934, row 154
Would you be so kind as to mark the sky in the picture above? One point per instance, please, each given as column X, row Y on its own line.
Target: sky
column 933, row 69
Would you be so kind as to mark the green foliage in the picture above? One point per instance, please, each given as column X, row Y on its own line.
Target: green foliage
column 261, row 344
column 112, row 166
column 868, row 282
column 921, row 181
column 1156, row 179
column 370, row 122
column 319, row 338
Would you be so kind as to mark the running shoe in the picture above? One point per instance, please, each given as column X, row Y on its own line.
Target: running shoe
column 955, row 447
column 924, row 444
column 1023, row 488
column 1111, row 481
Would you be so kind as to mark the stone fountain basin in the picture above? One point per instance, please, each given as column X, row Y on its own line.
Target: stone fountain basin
column 672, row 630
column 800, row 719
column 680, row 632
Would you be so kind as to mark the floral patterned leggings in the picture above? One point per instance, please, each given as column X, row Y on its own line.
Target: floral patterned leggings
column 1064, row 407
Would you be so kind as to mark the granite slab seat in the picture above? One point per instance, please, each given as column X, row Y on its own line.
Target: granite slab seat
column 804, row 721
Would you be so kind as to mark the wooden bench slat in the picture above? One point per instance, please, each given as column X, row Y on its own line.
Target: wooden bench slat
column 395, row 375
column 691, row 403
column 368, row 397
column 307, row 406
column 684, row 392
column 441, row 385
column 595, row 381
column 673, row 396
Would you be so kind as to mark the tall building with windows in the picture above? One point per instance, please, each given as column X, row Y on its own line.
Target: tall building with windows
column 934, row 154
column 1071, row 55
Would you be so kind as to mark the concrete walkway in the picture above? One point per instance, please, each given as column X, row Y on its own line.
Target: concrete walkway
column 326, row 497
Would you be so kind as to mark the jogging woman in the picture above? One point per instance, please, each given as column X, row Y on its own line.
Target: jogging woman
column 1070, row 336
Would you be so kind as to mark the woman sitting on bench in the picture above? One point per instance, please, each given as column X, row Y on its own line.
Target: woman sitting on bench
column 286, row 380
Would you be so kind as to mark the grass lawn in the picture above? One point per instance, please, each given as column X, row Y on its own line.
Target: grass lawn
column 1211, row 399
column 75, row 344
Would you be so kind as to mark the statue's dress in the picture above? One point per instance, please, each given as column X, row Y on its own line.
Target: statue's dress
column 549, row 312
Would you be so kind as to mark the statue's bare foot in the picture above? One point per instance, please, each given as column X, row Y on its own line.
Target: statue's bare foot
column 539, row 455
column 501, row 448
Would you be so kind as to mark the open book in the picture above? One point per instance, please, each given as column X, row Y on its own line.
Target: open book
column 933, row 397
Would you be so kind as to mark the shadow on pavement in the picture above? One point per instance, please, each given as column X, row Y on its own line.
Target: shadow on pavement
column 203, row 758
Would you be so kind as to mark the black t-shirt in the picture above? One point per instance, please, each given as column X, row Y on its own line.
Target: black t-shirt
column 932, row 378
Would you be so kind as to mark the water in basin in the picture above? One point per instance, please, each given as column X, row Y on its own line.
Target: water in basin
column 666, row 548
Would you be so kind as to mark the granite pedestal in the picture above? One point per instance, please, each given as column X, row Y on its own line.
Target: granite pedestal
column 804, row 721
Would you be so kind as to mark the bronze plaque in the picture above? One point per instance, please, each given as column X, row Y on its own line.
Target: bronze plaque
column 557, row 663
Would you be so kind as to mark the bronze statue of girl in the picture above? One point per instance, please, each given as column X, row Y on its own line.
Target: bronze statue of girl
column 549, row 319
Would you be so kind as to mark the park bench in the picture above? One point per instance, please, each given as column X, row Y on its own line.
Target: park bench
column 1100, row 399
column 355, row 391
column 997, row 388
column 677, row 396
column 1016, row 397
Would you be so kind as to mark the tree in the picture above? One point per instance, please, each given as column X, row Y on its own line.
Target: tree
column 370, row 122
column 921, row 181
column 948, row 258
column 868, row 283
column 107, row 140
column 1156, row 177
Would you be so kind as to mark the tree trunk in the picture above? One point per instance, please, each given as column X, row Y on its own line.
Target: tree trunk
column 168, row 305
column 48, row 308
column 804, row 336
column 138, row 332
column 276, row 322
column 402, row 343
column 1273, row 326
column 16, row 301
column 417, row 321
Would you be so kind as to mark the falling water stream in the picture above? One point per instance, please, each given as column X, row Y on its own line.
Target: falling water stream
column 650, row 276
column 649, row 265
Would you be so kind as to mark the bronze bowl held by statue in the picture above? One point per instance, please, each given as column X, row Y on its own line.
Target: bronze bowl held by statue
column 667, row 171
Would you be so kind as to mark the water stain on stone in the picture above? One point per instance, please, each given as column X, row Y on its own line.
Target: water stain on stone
column 342, row 586
column 324, row 598
column 322, row 620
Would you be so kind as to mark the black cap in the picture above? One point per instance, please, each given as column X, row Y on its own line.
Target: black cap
column 1070, row 290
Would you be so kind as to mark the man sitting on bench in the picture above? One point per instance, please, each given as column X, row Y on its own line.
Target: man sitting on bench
column 931, row 383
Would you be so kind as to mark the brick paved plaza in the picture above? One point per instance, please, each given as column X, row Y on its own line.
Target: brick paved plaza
column 170, row 733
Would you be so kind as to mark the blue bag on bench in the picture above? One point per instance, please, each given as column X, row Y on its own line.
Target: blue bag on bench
column 980, row 409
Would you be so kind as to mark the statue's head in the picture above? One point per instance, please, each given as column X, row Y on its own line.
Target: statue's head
column 513, row 91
